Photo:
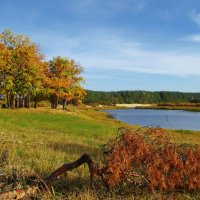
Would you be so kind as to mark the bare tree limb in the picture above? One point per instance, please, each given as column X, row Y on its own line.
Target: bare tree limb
column 69, row 166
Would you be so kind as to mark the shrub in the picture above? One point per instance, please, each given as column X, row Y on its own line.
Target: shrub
column 151, row 156
column 41, row 104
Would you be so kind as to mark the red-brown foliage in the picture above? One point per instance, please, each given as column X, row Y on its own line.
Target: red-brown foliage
column 151, row 156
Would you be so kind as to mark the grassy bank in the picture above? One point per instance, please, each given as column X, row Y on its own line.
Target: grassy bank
column 38, row 141
column 42, row 138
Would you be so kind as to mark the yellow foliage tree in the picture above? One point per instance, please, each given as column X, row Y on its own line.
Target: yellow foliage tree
column 21, row 68
column 63, row 75
column 25, row 75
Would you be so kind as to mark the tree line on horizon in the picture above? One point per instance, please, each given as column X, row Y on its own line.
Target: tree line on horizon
column 25, row 76
column 141, row 97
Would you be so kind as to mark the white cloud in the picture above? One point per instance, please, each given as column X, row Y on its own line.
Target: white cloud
column 193, row 38
column 123, row 56
column 195, row 16
column 154, row 63
column 105, row 49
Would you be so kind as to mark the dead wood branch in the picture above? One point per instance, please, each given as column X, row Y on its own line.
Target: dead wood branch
column 70, row 166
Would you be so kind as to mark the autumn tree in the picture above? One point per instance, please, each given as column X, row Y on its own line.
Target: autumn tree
column 6, row 71
column 21, row 69
column 75, row 96
column 24, row 75
column 62, row 77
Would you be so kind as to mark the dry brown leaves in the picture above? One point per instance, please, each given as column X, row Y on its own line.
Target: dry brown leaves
column 149, row 154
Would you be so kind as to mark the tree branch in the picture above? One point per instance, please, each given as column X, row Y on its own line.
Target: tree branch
column 67, row 167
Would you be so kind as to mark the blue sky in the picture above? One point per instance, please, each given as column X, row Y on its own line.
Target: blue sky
column 122, row 44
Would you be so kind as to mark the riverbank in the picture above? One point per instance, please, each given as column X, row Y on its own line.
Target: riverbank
column 195, row 107
column 160, row 107
column 37, row 141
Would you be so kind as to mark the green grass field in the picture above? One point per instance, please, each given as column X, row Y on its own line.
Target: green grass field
column 40, row 140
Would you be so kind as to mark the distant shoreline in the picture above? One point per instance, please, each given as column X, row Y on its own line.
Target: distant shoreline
column 193, row 108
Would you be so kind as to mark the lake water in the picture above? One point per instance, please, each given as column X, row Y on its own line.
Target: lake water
column 173, row 119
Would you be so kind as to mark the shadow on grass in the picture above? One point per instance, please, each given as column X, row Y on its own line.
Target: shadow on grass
column 79, row 188
column 74, row 148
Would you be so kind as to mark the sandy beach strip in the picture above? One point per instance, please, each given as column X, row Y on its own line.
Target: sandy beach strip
column 133, row 105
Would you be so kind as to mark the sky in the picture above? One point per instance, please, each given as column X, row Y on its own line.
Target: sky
column 122, row 44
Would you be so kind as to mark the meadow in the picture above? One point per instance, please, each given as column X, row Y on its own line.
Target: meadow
column 37, row 141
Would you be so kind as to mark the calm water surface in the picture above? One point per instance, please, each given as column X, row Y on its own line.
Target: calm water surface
column 173, row 119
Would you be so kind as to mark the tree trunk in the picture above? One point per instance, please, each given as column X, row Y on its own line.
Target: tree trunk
column 54, row 102
column 16, row 102
column 64, row 103
column 12, row 101
column 27, row 101
column 7, row 100
column 23, row 101
column 35, row 102
column 20, row 101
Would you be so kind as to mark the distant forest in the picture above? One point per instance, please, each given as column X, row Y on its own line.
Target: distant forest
column 109, row 98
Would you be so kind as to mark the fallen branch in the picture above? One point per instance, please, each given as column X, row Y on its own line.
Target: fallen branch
column 21, row 193
column 70, row 166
